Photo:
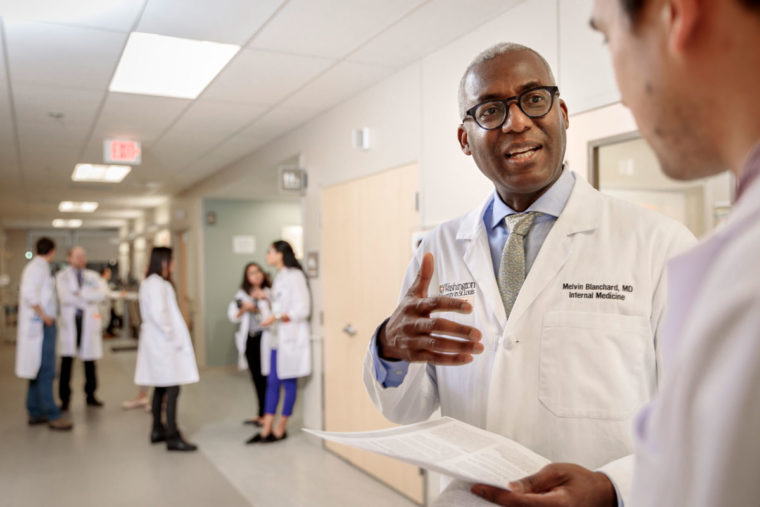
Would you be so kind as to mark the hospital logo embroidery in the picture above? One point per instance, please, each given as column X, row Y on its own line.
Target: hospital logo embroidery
column 457, row 290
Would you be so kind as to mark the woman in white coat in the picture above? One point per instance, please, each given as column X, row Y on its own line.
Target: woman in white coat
column 290, row 357
column 165, row 356
column 250, row 306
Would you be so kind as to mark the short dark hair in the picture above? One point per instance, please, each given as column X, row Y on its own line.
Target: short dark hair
column 44, row 246
column 634, row 7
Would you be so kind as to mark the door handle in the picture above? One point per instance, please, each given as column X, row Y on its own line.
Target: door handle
column 349, row 330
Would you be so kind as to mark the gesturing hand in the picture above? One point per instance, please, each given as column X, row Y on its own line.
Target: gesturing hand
column 555, row 485
column 408, row 335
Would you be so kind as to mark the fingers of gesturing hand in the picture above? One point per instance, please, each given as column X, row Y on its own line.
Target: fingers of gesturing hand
column 420, row 286
column 423, row 327
column 425, row 306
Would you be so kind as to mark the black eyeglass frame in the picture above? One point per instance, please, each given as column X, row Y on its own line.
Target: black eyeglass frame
column 554, row 91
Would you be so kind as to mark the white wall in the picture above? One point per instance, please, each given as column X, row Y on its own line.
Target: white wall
column 413, row 116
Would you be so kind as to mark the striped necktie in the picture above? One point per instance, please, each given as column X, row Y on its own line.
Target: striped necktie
column 512, row 266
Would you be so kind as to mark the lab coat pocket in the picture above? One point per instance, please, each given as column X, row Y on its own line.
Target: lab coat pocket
column 594, row 365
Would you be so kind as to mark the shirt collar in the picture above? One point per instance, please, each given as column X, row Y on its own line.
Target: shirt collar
column 551, row 202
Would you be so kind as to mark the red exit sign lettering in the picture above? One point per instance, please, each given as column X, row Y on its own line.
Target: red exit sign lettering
column 122, row 151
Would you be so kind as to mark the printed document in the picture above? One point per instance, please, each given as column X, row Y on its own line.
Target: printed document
column 450, row 447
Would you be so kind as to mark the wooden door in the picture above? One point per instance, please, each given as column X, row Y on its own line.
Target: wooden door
column 367, row 228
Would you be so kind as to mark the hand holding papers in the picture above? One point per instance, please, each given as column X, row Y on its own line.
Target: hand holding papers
column 450, row 447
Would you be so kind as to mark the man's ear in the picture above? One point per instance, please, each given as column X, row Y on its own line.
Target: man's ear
column 565, row 115
column 684, row 20
column 464, row 142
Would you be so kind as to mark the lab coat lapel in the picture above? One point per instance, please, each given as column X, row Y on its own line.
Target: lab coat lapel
column 581, row 214
column 477, row 258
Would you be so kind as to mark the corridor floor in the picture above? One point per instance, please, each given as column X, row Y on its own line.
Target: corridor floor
column 107, row 460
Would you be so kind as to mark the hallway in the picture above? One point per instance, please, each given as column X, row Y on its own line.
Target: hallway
column 107, row 460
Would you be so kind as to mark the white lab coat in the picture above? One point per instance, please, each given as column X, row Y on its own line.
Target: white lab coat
column 244, row 321
column 565, row 375
column 104, row 307
column 87, row 298
column 37, row 288
column 290, row 296
column 165, row 355
column 697, row 443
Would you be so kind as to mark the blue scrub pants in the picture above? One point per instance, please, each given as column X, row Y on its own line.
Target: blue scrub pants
column 273, row 390
column 39, row 397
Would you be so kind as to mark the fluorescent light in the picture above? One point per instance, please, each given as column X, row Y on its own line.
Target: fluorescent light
column 61, row 223
column 101, row 173
column 169, row 66
column 77, row 207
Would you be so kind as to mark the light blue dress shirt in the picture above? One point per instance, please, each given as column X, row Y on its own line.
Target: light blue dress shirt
column 549, row 205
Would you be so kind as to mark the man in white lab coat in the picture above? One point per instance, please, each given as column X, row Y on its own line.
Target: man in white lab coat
column 79, row 292
column 690, row 72
column 546, row 301
column 35, row 343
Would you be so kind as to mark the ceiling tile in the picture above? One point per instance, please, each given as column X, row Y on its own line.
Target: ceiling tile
column 428, row 28
column 116, row 15
column 53, row 155
column 337, row 84
column 268, row 127
column 203, row 126
column 139, row 117
column 58, row 55
column 36, row 103
column 264, row 77
column 302, row 26
column 228, row 21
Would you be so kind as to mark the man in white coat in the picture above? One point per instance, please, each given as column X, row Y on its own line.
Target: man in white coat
column 690, row 72
column 79, row 292
column 547, row 300
column 35, row 343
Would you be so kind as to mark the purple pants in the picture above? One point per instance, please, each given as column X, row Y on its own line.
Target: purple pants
column 273, row 390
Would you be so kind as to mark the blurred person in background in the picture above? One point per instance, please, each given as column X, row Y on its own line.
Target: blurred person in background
column 290, row 356
column 80, row 293
column 35, row 342
column 165, row 355
column 250, row 306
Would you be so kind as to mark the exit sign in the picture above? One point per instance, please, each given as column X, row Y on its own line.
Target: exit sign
column 123, row 151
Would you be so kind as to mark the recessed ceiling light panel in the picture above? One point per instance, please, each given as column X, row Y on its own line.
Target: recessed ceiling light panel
column 61, row 223
column 169, row 66
column 77, row 207
column 100, row 173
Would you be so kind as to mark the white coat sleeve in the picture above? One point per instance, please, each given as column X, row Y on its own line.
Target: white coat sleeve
column 158, row 309
column 66, row 296
column 679, row 240
column 301, row 308
column 93, row 293
column 232, row 312
column 416, row 398
column 265, row 306
column 31, row 286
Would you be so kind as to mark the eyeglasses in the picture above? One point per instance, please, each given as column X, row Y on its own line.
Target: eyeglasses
column 534, row 103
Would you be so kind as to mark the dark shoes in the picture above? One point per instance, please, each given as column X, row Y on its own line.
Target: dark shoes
column 94, row 402
column 60, row 424
column 177, row 443
column 34, row 421
column 267, row 439
column 254, row 439
column 158, row 435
